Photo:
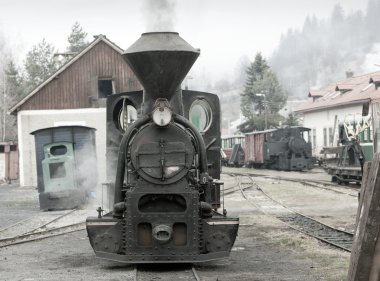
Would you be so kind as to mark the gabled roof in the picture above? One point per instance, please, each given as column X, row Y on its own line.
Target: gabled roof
column 375, row 78
column 97, row 39
column 354, row 90
column 316, row 93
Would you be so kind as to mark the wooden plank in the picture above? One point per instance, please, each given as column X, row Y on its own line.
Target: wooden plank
column 366, row 171
column 363, row 259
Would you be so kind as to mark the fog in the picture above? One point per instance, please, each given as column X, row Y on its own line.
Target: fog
column 324, row 49
column 225, row 31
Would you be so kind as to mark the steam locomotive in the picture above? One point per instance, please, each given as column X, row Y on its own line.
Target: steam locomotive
column 286, row 148
column 167, row 162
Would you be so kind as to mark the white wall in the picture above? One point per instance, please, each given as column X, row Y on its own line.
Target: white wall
column 32, row 120
column 321, row 119
column 2, row 165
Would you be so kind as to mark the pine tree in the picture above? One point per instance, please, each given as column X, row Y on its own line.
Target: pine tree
column 77, row 39
column 292, row 120
column 40, row 63
column 14, row 80
column 261, row 81
column 255, row 72
column 12, row 90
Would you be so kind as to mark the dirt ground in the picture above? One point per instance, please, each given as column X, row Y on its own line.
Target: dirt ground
column 265, row 248
column 329, row 207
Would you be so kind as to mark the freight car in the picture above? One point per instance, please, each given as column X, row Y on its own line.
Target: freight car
column 283, row 149
column 230, row 144
column 167, row 187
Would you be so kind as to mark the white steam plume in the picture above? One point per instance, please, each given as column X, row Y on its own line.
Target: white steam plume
column 159, row 15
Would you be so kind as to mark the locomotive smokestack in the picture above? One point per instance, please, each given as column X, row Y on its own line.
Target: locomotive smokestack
column 161, row 61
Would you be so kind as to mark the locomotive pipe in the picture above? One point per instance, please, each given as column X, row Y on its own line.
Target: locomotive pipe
column 201, row 147
column 120, row 172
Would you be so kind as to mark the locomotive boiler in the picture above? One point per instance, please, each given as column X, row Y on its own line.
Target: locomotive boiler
column 166, row 164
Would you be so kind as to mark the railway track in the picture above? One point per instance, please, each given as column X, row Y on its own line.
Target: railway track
column 349, row 191
column 166, row 272
column 34, row 223
column 29, row 237
column 297, row 221
column 39, row 232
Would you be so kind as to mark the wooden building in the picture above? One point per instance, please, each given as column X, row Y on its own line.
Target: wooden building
column 74, row 95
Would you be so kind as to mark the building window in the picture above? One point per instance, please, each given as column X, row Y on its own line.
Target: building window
column 314, row 139
column 106, row 87
column 324, row 137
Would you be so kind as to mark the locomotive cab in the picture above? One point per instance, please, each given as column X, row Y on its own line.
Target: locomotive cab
column 167, row 187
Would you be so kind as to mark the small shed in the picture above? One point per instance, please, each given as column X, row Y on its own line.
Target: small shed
column 83, row 142
column 8, row 161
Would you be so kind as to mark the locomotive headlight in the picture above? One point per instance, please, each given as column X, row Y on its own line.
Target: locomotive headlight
column 162, row 115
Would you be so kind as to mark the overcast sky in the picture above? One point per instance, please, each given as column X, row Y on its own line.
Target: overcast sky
column 224, row 30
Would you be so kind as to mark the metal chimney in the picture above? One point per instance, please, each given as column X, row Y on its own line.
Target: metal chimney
column 161, row 60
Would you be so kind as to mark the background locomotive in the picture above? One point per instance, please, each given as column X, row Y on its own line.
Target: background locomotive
column 167, row 190
column 283, row 149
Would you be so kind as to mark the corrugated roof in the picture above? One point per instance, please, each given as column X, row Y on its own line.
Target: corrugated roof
column 98, row 38
column 358, row 89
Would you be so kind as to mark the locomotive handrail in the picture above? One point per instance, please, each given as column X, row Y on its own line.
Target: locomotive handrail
column 120, row 172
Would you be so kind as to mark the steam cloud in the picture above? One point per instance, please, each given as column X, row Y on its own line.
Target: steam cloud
column 159, row 15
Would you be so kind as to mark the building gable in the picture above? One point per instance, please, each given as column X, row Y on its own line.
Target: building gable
column 77, row 83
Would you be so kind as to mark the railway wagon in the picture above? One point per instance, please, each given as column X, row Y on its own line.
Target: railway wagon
column 228, row 145
column 283, row 149
column 167, row 187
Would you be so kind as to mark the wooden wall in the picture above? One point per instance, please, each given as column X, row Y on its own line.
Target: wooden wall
column 77, row 86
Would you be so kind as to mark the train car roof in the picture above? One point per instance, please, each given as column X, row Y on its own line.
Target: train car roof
column 233, row 136
column 260, row 132
column 302, row 128
column 272, row 130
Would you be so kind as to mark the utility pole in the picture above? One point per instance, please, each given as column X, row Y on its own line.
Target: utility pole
column 265, row 108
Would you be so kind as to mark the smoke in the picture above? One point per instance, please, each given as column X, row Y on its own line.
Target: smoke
column 372, row 59
column 86, row 170
column 159, row 15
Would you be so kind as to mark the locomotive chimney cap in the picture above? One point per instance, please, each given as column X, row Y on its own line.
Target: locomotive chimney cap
column 160, row 41
column 161, row 60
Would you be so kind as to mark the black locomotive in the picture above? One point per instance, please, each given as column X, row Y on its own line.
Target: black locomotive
column 167, row 188
column 286, row 149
